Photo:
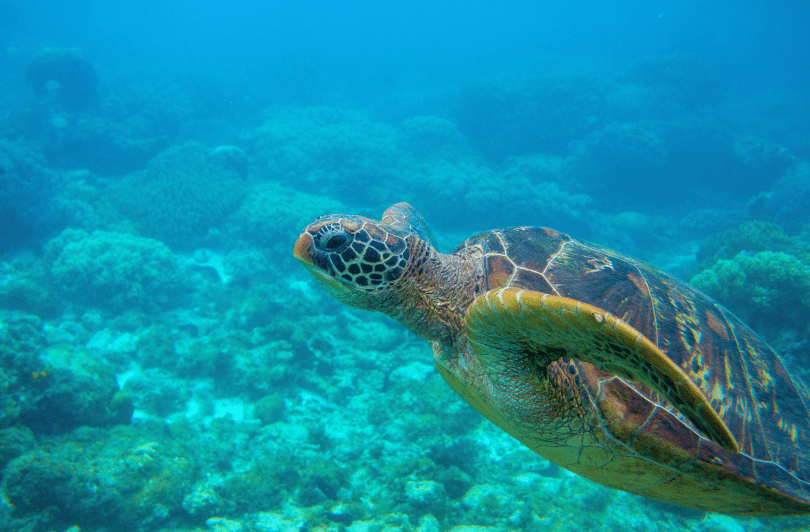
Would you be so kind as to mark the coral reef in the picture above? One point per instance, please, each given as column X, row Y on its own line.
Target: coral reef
column 433, row 136
column 83, row 203
column 27, row 189
column 270, row 408
column 67, row 72
column 528, row 115
column 15, row 441
column 659, row 165
column 24, row 286
column 229, row 158
column 265, row 483
column 123, row 479
column 678, row 83
column 138, row 116
column 164, row 366
column 271, row 213
column 769, row 290
column 425, row 160
column 21, row 341
column 751, row 237
column 210, row 260
column 786, row 203
column 528, row 185
column 180, row 196
column 114, row 270
column 73, row 389
column 56, row 388
column 763, row 275
column 340, row 153
column 100, row 144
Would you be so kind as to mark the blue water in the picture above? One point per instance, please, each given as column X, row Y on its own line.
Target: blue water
column 165, row 362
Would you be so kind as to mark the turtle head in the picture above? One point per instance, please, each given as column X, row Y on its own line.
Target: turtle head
column 355, row 259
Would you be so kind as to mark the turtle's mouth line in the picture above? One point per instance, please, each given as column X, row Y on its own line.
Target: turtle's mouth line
column 303, row 251
column 335, row 286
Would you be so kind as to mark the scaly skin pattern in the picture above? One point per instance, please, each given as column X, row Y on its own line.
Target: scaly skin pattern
column 594, row 423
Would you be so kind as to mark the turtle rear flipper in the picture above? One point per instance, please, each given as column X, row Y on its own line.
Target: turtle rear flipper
column 513, row 332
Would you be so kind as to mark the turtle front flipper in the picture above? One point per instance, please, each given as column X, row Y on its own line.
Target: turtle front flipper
column 510, row 330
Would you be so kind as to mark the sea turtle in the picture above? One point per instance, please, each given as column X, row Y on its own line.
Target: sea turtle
column 597, row 362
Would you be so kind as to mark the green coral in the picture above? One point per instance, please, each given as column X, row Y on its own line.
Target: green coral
column 21, row 340
column 425, row 160
column 263, row 485
column 56, row 388
column 180, row 196
column 347, row 156
column 343, row 152
column 100, row 479
column 752, row 237
column 23, row 286
column 73, row 387
column 271, row 213
column 802, row 241
column 114, row 270
column 528, row 186
column 265, row 368
column 15, row 441
column 770, row 290
column 761, row 274
column 270, row 408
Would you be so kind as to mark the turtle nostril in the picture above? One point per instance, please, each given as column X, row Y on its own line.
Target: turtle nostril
column 334, row 242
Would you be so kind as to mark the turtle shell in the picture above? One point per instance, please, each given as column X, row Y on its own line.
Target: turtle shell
column 745, row 381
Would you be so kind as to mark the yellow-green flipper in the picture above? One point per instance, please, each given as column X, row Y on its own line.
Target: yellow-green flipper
column 508, row 327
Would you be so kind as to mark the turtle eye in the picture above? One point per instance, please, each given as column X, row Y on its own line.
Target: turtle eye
column 334, row 241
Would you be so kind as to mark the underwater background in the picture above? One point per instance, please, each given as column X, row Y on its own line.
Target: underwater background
column 167, row 365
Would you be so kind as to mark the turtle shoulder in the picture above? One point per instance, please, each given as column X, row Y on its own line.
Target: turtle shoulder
column 517, row 256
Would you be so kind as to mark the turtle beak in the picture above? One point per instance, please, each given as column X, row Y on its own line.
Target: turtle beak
column 305, row 251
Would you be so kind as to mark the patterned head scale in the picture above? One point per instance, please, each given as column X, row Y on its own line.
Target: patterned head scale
column 354, row 258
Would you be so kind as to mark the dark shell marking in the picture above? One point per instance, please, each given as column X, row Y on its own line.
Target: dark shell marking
column 741, row 376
